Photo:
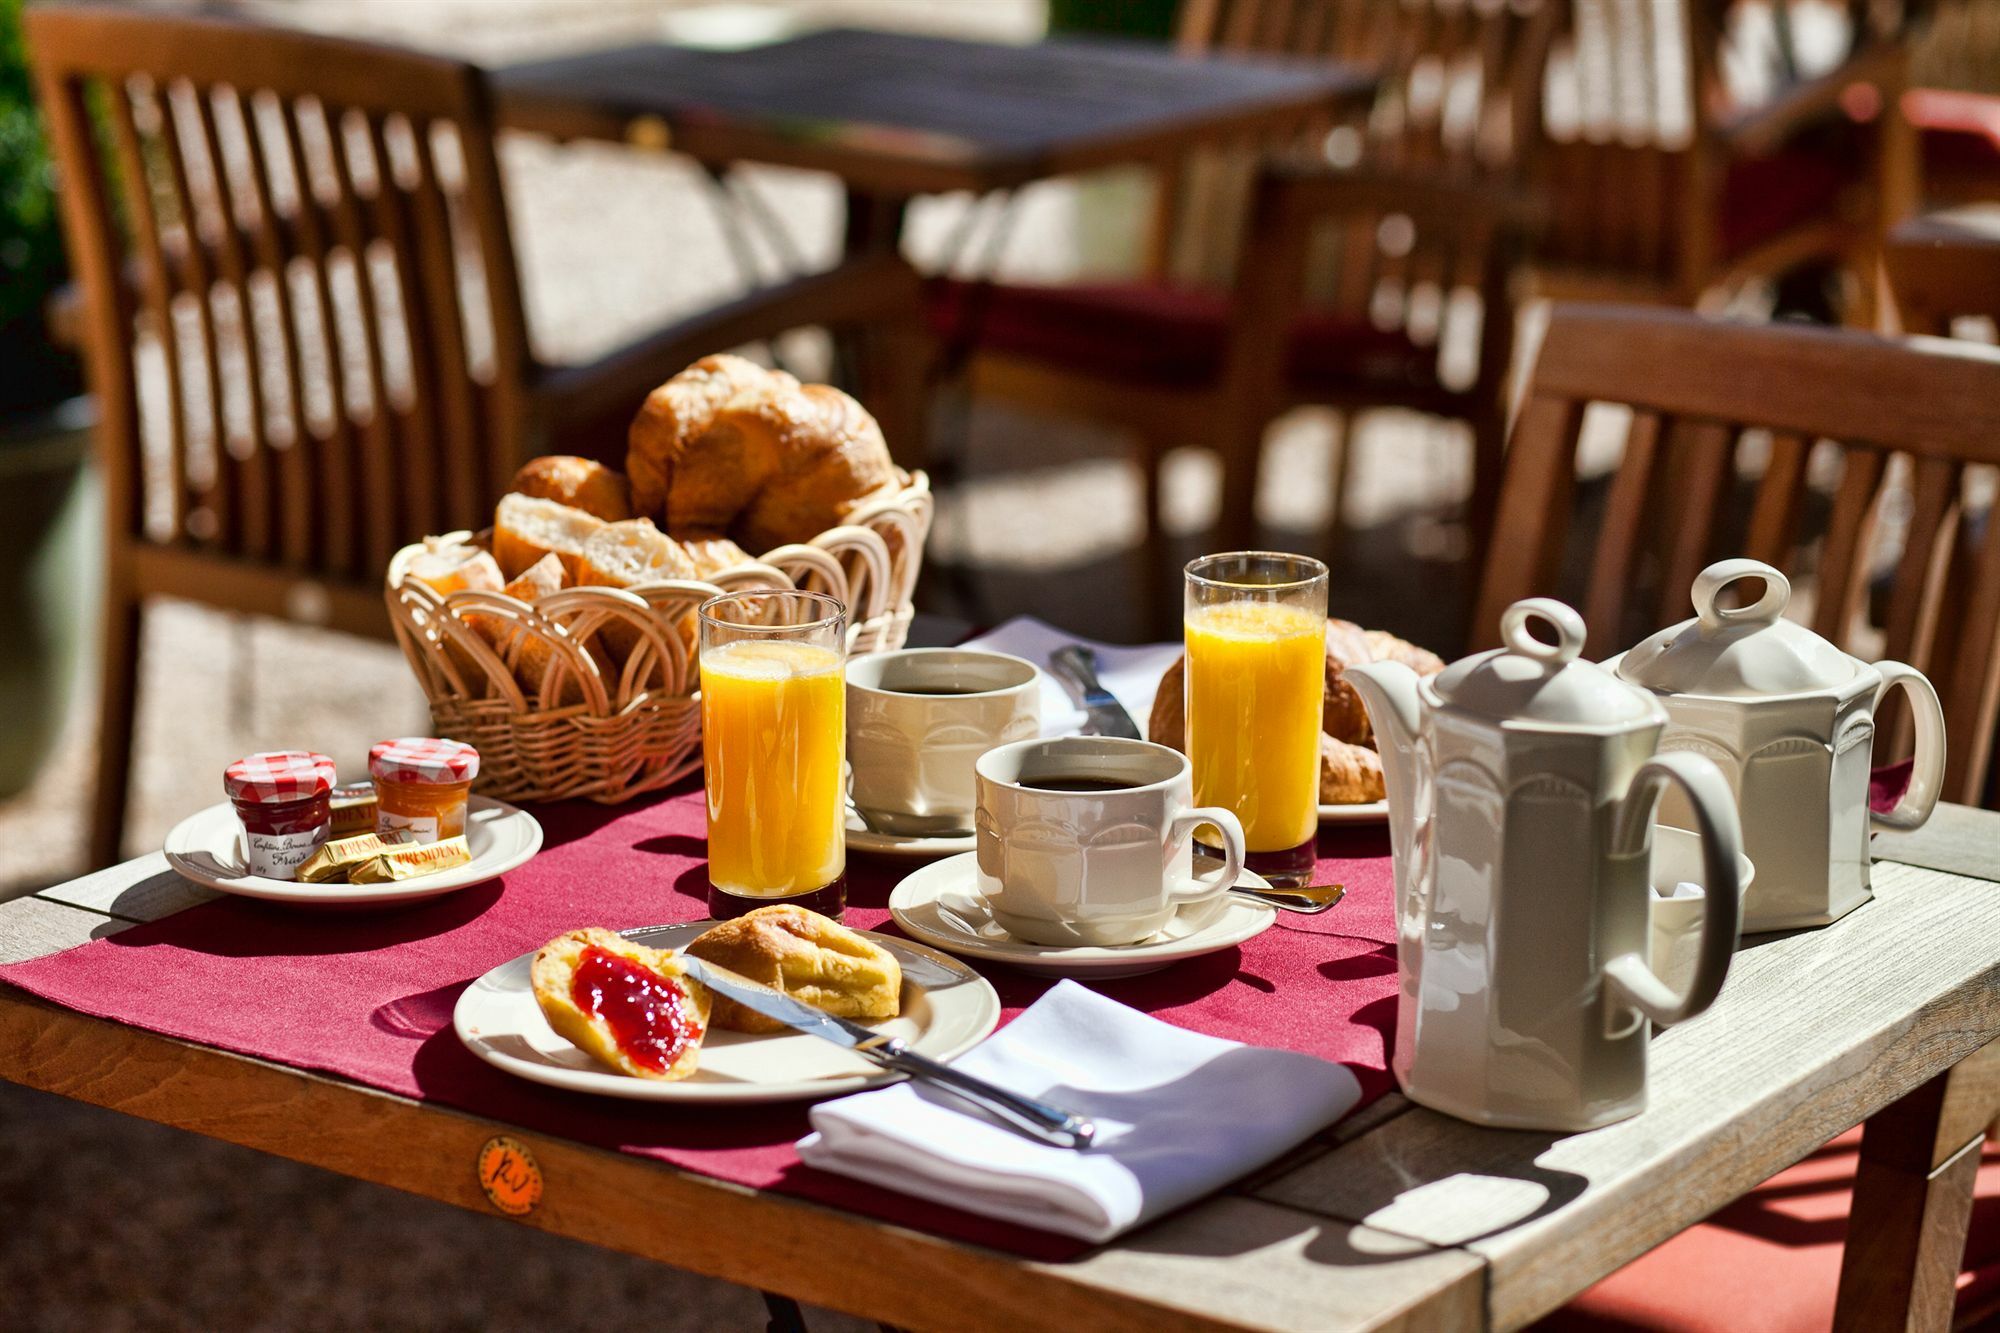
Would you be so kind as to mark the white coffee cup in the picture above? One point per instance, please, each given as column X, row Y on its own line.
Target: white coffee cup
column 918, row 718
column 1093, row 867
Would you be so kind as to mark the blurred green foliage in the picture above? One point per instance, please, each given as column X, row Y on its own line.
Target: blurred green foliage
column 33, row 373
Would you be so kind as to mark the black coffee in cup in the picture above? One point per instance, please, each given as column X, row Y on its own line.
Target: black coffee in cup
column 1077, row 782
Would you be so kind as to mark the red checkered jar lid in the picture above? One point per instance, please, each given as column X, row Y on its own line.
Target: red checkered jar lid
column 278, row 775
column 423, row 759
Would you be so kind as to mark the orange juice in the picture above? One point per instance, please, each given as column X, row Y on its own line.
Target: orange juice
column 1255, row 675
column 773, row 740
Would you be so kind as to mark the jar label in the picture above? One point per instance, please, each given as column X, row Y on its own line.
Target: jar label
column 415, row 828
column 279, row 855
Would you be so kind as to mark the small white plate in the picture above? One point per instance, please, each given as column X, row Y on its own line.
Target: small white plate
column 208, row 849
column 1369, row 812
column 941, row 904
column 947, row 1009
column 861, row 838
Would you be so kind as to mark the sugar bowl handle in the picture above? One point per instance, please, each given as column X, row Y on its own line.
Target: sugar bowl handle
column 1630, row 982
column 1927, row 768
column 1708, row 586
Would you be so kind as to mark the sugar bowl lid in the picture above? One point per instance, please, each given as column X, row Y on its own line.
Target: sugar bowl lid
column 1535, row 682
column 1741, row 652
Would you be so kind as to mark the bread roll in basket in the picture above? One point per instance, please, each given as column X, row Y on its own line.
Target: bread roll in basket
column 561, row 644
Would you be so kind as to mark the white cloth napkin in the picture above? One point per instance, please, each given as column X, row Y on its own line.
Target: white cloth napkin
column 1178, row 1114
column 1131, row 674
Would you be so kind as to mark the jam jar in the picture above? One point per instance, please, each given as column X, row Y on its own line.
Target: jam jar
column 421, row 785
column 282, row 797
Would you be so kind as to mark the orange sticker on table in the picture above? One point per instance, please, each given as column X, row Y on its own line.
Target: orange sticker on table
column 510, row 1175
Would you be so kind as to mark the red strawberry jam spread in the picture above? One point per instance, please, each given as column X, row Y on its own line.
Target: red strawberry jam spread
column 648, row 1014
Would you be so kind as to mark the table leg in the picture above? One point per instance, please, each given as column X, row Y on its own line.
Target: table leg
column 1913, row 1201
column 888, row 366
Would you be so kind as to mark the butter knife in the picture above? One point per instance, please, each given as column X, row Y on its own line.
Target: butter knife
column 1076, row 667
column 1037, row 1120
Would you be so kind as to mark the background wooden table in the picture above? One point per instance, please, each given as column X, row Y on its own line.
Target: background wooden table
column 896, row 115
column 1397, row 1218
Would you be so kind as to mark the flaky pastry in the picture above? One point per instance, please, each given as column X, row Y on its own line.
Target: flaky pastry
column 807, row 956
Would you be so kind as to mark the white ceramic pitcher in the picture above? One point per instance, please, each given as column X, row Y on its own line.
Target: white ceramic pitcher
column 1522, row 784
column 1790, row 719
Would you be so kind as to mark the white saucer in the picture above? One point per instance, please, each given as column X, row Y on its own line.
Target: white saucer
column 1368, row 812
column 208, row 849
column 940, row 904
column 861, row 838
column 947, row 1009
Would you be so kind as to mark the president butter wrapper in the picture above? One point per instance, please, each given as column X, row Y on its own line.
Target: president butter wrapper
column 335, row 860
column 353, row 809
column 400, row 863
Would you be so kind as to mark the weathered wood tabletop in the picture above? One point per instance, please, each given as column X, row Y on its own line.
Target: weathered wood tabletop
column 897, row 114
column 1398, row 1218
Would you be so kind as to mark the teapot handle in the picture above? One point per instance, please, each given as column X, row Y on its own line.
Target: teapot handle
column 1927, row 772
column 1630, row 982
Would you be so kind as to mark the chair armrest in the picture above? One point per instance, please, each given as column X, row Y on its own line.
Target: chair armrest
column 872, row 289
column 1433, row 200
column 1762, row 130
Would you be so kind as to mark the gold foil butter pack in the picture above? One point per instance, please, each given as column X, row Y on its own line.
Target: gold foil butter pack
column 411, row 862
column 335, row 860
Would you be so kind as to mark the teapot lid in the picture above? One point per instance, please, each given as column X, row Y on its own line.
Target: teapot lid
column 1532, row 681
column 1740, row 653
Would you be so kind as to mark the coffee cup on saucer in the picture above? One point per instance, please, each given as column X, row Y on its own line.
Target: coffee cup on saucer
column 917, row 718
column 1088, row 840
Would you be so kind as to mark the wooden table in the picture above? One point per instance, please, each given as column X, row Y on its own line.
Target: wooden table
column 1398, row 1218
column 895, row 115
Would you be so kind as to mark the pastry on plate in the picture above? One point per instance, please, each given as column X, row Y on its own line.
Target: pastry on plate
column 810, row 958
column 630, row 1007
column 1349, row 774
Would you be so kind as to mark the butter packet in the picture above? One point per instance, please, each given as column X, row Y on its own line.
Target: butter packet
column 335, row 860
column 412, row 862
column 353, row 809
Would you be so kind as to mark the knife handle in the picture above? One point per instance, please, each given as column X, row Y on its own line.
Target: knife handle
column 1038, row 1120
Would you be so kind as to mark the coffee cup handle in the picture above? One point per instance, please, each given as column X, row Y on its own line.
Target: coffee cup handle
column 1215, row 883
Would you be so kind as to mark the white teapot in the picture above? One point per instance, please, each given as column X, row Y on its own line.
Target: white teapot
column 1789, row 718
column 1522, row 784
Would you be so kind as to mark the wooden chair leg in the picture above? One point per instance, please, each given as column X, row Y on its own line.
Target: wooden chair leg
column 1155, row 578
column 1340, row 471
column 1913, row 1201
column 117, row 708
column 1489, row 452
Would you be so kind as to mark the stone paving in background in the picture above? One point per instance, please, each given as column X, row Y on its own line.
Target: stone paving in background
column 113, row 1223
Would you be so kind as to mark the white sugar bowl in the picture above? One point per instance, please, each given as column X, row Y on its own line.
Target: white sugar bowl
column 1790, row 720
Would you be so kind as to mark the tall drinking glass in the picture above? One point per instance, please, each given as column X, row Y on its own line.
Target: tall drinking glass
column 1256, row 670
column 773, row 742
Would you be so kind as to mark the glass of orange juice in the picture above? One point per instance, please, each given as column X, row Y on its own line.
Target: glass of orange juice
column 773, row 743
column 1256, row 670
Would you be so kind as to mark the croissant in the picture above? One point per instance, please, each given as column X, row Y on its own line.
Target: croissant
column 727, row 448
column 1348, row 774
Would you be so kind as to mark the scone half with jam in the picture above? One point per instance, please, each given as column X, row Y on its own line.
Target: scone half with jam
column 631, row 1007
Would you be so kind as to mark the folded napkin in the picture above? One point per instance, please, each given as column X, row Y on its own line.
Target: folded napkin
column 1178, row 1114
column 1131, row 674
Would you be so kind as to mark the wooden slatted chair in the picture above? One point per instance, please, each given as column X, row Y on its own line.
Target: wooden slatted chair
column 1775, row 407
column 303, row 322
column 1662, row 188
column 1943, row 267
column 1459, row 78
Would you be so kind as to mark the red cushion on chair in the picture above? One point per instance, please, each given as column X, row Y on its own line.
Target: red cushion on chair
column 1770, row 1261
column 1959, row 132
column 1151, row 333
column 1764, row 197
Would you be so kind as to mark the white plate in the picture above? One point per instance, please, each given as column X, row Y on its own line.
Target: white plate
column 940, row 904
column 208, row 849
column 1370, row 812
column 947, row 1009
column 861, row 838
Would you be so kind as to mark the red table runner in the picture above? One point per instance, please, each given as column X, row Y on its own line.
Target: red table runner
column 368, row 996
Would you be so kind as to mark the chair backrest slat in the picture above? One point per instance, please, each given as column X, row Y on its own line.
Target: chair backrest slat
column 1707, row 396
column 318, row 238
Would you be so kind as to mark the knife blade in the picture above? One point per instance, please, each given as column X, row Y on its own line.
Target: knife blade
column 1076, row 667
column 1038, row 1120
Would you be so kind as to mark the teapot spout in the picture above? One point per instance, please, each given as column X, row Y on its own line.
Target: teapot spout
column 1395, row 709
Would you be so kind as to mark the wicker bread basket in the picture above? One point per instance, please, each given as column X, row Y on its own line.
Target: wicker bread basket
column 609, row 735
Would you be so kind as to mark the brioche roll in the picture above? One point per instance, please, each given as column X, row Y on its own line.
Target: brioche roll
column 580, row 483
column 630, row 1007
column 1348, row 774
column 808, row 957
